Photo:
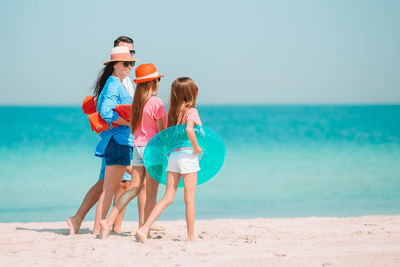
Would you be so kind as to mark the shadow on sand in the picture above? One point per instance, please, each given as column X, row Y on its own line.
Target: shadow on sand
column 64, row 231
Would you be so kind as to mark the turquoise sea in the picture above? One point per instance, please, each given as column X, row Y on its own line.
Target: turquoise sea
column 282, row 161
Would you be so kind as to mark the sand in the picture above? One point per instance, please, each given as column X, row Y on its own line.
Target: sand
column 361, row 241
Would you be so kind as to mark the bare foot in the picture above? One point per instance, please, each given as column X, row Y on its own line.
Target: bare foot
column 141, row 235
column 117, row 229
column 105, row 229
column 157, row 228
column 74, row 225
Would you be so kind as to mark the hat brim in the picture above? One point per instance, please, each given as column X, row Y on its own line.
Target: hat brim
column 148, row 79
column 124, row 60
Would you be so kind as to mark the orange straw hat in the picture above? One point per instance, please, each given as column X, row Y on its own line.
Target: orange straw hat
column 146, row 72
column 120, row 53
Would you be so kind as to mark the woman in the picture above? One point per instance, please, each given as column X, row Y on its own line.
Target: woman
column 115, row 144
column 148, row 117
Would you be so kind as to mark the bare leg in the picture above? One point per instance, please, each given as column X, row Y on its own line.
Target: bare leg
column 113, row 176
column 92, row 196
column 189, row 184
column 123, row 186
column 151, row 195
column 123, row 200
column 168, row 198
column 141, row 202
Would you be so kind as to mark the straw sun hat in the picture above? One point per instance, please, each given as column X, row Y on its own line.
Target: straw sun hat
column 146, row 72
column 120, row 53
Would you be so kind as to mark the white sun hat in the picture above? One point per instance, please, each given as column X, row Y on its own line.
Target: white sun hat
column 120, row 53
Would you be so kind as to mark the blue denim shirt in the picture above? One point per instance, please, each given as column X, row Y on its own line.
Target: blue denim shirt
column 113, row 93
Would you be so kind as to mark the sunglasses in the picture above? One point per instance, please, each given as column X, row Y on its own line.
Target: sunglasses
column 127, row 63
column 132, row 52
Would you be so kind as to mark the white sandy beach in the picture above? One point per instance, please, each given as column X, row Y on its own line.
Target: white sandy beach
column 361, row 241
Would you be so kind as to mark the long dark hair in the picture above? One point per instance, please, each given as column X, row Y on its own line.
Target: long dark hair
column 102, row 78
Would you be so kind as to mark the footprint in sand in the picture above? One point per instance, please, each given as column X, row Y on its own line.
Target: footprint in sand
column 203, row 235
column 279, row 254
column 201, row 253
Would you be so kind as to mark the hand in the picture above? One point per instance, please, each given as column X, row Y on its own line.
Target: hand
column 122, row 121
column 197, row 150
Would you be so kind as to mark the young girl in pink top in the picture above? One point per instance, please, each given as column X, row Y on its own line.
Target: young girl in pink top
column 148, row 117
column 182, row 161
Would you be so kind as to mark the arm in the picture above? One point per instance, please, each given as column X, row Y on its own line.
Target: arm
column 122, row 121
column 192, row 137
column 107, row 107
column 160, row 115
column 160, row 124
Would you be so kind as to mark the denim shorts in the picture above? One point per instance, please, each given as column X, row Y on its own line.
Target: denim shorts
column 138, row 156
column 117, row 154
column 127, row 176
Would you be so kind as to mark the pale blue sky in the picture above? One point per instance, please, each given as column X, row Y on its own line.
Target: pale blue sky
column 238, row 52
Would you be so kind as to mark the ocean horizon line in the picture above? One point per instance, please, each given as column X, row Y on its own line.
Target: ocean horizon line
column 338, row 104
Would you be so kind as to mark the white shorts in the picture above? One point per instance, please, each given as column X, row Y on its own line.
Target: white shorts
column 183, row 162
column 137, row 156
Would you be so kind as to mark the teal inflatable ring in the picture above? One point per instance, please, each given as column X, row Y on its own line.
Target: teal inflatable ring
column 159, row 147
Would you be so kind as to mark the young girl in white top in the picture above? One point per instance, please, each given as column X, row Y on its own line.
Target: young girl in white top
column 182, row 161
